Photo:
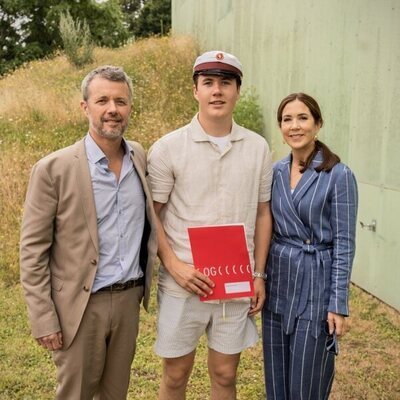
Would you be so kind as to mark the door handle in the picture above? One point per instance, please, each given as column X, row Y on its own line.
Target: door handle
column 370, row 227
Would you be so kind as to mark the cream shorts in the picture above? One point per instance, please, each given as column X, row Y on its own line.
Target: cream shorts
column 182, row 321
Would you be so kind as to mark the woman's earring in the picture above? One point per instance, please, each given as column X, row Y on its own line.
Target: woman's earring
column 316, row 137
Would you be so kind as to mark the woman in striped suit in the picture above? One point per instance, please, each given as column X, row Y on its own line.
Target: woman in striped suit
column 314, row 205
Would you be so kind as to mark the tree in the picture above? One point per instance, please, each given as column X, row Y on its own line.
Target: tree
column 18, row 36
column 29, row 28
column 154, row 18
column 8, row 39
column 131, row 11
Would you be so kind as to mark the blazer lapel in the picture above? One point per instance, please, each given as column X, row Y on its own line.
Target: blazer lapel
column 140, row 172
column 282, row 181
column 140, row 166
column 85, row 191
column 283, row 172
column 307, row 180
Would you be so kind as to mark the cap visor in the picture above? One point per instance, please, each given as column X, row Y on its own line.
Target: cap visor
column 218, row 72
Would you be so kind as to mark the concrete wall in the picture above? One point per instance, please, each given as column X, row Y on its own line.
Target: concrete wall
column 347, row 55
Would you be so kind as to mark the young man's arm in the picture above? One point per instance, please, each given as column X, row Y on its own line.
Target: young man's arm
column 262, row 238
column 186, row 276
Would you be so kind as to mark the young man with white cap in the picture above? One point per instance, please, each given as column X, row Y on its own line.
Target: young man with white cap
column 209, row 172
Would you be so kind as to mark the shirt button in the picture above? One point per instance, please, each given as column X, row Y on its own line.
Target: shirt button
column 86, row 289
column 93, row 261
column 308, row 241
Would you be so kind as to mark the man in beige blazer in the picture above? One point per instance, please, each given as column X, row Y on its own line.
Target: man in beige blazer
column 88, row 244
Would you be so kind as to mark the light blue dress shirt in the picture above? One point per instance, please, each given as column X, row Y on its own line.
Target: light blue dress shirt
column 120, row 209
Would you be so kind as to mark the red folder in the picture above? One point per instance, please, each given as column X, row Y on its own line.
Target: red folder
column 220, row 252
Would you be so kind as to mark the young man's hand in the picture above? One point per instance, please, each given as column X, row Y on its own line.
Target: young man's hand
column 191, row 279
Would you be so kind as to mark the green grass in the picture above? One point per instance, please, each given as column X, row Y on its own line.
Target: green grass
column 39, row 112
column 367, row 367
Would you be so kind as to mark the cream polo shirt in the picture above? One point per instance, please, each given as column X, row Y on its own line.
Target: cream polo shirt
column 200, row 185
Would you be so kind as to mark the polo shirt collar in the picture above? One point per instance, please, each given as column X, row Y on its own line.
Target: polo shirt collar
column 199, row 135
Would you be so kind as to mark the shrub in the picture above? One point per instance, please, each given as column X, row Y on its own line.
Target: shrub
column 248, row 112
column 77, row 41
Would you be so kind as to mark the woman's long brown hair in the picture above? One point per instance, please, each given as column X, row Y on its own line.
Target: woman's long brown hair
column 329, row 158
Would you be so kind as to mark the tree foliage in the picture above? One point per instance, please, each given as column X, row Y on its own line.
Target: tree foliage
column 131, row 11
column 154, row 18
column 29, row 29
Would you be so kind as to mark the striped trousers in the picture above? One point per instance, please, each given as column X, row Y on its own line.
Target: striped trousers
column 296, row 366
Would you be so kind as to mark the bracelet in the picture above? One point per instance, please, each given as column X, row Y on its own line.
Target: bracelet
column 261, row 275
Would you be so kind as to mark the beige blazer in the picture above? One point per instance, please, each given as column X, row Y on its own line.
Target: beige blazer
column 59, row 249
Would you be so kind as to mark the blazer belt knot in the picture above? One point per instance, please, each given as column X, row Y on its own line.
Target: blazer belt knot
column 295, row 307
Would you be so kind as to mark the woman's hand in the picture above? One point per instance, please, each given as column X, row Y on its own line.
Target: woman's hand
column 257, row 301
column 336, row 323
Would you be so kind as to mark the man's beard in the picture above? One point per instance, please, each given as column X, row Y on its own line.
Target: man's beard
column 110, row 133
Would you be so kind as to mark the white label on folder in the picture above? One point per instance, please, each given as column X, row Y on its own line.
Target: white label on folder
column 237, row 287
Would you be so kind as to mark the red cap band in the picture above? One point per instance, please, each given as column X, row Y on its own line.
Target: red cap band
column 217, row 65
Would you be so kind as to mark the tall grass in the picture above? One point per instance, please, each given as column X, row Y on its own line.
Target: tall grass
column 39, row 112
column 45, row 95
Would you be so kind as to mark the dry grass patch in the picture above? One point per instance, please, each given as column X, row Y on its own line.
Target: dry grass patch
column 13, row 179
column 46, row 90
column 39, row 112
column 367, row 367
column 369, row 363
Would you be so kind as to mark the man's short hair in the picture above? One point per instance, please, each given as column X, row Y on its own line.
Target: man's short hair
column 109, row 72
column 237, row 78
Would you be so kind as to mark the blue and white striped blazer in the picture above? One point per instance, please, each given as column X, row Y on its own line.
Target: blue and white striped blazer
column 312, row 250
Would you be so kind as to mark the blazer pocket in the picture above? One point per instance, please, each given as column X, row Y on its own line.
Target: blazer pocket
column 56, row 283
column 278, row 274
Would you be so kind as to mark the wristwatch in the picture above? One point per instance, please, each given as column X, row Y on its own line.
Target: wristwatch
column 261, row 275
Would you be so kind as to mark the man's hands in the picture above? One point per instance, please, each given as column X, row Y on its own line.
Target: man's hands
column 257, row 301
column 191, row 279
column 51, row 342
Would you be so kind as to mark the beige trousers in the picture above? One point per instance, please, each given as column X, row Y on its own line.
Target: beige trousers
column 97, row 364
